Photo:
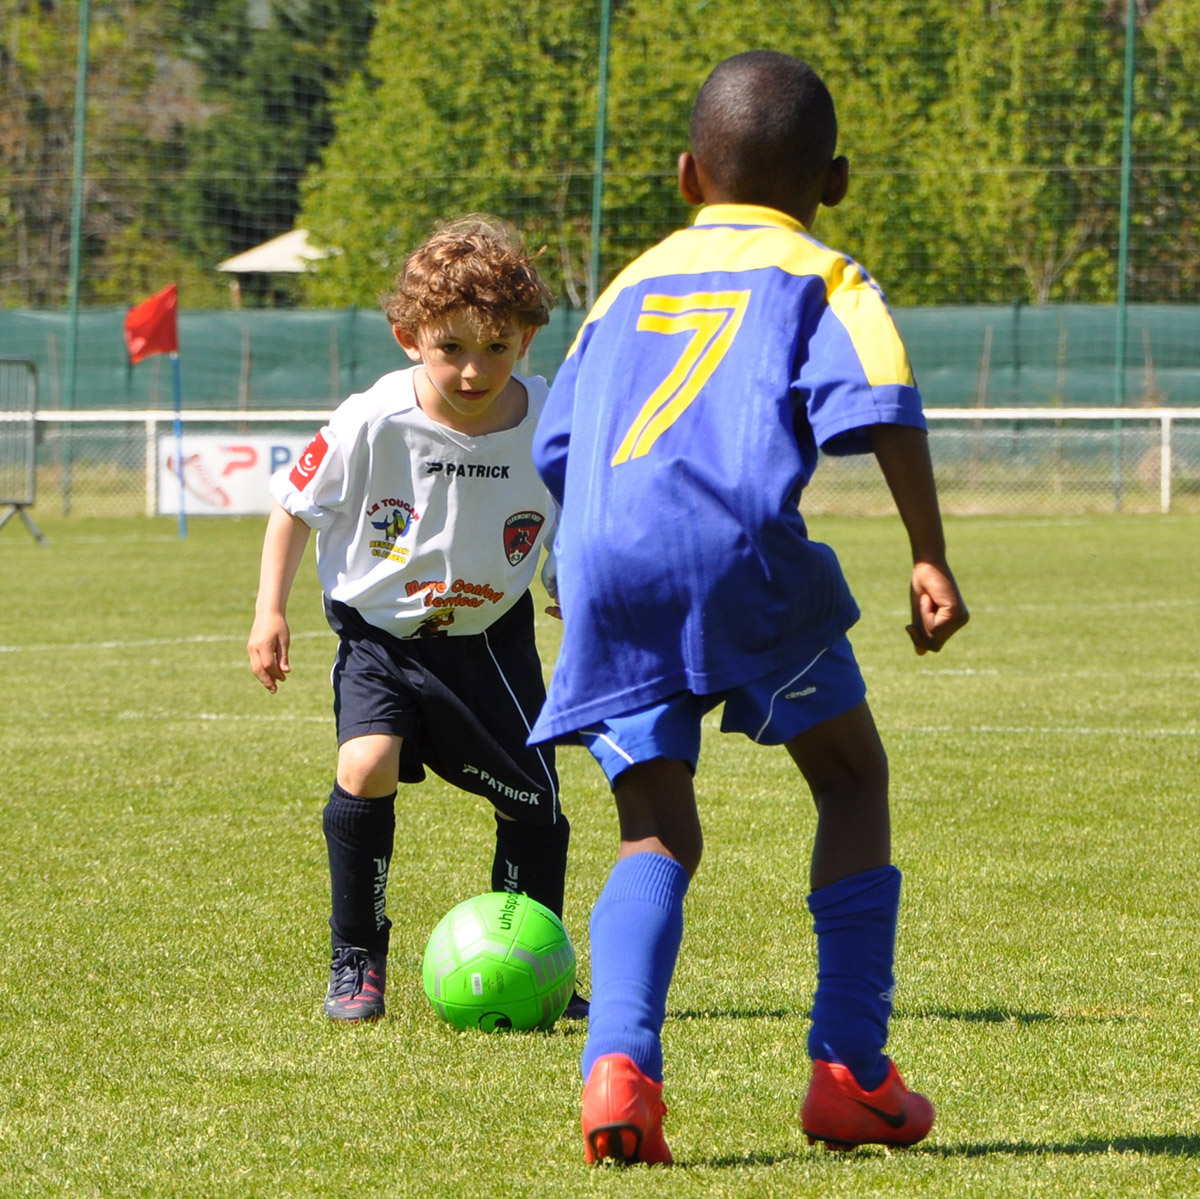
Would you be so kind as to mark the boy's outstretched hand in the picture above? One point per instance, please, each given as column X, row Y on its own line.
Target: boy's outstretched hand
column 937, row 607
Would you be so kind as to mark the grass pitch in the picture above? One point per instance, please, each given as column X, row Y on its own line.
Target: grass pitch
column 163, row 897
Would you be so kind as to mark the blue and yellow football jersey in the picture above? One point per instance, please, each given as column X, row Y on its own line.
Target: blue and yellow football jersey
column 678, row 437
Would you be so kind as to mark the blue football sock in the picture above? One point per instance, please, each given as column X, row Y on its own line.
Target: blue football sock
column 855, row 921
column 636, row 930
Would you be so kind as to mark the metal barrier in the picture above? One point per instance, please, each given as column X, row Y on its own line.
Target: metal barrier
column 1003, row 461
column 18, row 442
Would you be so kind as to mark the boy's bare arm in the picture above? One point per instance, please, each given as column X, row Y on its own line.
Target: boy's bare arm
column 937, row 605
column 270, row 637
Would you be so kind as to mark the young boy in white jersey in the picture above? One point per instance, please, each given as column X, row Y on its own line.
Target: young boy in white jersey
column 430, row 523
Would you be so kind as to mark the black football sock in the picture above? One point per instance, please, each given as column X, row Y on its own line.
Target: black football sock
column 532, row 858
column 359, row 834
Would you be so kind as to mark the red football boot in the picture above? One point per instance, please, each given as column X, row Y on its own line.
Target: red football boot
column 839, row 1112
column 622, row 1114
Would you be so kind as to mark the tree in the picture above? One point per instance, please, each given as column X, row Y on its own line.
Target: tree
column 663, row 53
column 1165, row 234
column 497, row 119
column 200, row 126
column 984, row 138
column 134, row 92
column 268, row 87
column 1029, row 132
column 36, row 134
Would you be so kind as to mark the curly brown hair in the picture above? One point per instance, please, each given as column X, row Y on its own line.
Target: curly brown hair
column 476, row 264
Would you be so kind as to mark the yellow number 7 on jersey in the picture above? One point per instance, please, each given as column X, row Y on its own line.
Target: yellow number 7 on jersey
column 713, row 319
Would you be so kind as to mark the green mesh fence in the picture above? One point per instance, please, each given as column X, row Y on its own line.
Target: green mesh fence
column 986, row 140
column 998, row 356
column 1024, row 177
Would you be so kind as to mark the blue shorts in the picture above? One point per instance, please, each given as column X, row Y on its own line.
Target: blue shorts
column 769, row 710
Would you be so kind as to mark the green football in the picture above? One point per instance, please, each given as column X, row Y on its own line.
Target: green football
column 499, row 961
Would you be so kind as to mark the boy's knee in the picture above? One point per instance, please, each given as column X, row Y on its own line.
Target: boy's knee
column 369, row 766
column 656, row 805
column 859, row 780
column 842, row 754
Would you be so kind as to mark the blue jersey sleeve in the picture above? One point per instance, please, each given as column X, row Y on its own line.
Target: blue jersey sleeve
column 553, row 436
column 855, row 372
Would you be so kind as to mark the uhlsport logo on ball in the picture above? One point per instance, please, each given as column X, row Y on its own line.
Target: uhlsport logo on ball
column 499, row 961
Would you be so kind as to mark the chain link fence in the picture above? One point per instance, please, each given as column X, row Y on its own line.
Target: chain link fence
column 1052, row 259
column 1010, row 462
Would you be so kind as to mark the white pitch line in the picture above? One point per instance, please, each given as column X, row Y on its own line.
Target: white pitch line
column 989, row 729
column 965, row 672
column 1181, row 674
column 1048, row 730
column 214, row 717
column 982, row 608
column 91, row 646
column 1133, row 605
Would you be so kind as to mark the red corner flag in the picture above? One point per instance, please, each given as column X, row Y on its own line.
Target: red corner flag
column 150, row 326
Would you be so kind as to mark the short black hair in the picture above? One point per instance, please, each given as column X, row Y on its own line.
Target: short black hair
column 763, row 127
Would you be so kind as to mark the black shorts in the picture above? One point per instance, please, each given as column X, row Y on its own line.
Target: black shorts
column 464, row 706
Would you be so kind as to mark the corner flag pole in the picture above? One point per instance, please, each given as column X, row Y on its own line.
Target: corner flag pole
column 152, row 327
column 1123, row 245
column 179, row 441
column 80, row 138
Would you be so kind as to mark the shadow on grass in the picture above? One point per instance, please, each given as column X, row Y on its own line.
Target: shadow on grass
column 1182, row 1145
column 977, row 1016
column 734, row 1161
column 731, row 1014
column 966, row 1015
column 1004, row 1016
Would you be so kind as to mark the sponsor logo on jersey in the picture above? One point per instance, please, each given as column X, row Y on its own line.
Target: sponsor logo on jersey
column 395, row 525
column 435, row 624
column 520, row 532
column 801, row 693
column 307, row 463
column 393, row 518
column 467, row 470
column 533, row 797
column 459, row 594
column 395, row 513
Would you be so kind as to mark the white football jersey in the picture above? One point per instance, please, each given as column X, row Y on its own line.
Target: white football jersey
column 423, row 530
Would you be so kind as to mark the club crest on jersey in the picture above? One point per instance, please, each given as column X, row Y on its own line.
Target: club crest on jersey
column 307, row 463
column 520, row 532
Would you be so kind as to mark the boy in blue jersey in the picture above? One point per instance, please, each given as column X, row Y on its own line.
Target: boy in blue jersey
column 678, row 437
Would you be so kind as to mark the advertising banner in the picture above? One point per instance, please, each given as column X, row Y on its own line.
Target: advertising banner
column 223, row 475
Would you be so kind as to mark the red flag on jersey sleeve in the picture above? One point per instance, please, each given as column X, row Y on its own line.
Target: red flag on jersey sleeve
column 150, row 327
